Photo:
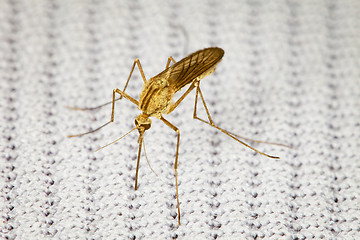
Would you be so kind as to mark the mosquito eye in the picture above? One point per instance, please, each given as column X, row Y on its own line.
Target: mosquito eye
column 146, row 126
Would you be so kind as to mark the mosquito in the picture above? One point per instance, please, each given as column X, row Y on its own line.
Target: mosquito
column 156, row 99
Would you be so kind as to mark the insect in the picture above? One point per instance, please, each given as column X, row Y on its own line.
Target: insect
column 156, row 100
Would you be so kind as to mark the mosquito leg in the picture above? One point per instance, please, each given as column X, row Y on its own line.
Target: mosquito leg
column 211, row 123
column 168, row 61
column 91, row 108
column 172, row 107
column 122, row 94
column 259, row 141
column 136, row 62
column 176, row 161
column 128, row 97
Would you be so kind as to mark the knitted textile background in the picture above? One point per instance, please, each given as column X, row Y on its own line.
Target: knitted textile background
column 290, row 74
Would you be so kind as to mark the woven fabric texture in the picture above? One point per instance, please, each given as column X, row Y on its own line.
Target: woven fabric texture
column 290, row 74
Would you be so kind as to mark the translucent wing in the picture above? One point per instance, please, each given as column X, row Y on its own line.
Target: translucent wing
column 193, row 66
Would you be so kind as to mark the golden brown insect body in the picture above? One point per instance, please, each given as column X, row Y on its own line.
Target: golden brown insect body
column 157, row 94
column 156, row 99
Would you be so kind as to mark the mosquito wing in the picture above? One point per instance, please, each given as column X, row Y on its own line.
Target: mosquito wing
column 193, row 66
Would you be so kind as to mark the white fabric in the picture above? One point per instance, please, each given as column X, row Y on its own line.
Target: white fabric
column 290, row 74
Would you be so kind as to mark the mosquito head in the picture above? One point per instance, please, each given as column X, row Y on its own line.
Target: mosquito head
column 142, row 123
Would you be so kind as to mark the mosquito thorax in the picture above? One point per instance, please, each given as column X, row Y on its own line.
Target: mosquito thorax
column 142, row 122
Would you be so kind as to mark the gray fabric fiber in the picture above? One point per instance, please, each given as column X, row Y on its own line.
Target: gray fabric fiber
column 290, row 74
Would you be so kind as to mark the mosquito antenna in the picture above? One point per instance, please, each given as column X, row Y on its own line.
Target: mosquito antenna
column 116, row 139
column 143, row 142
